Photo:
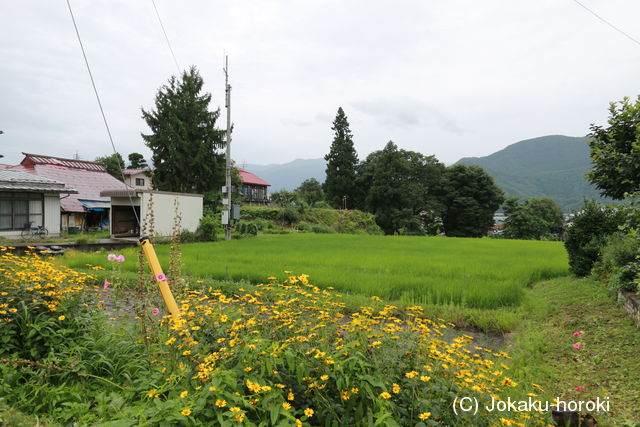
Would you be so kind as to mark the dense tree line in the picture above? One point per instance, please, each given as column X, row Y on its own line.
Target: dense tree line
column 408, row 192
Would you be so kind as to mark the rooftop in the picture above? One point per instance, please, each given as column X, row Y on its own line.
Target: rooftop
column 23, row 181
column 39, row 159
column 252, row 179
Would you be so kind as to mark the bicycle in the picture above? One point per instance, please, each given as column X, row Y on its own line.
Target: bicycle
column 29, row 231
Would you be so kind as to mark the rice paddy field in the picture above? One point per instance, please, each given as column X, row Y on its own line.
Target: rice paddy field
column 474, row 273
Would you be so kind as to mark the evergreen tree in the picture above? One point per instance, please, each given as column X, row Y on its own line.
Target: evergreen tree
column 137, row 161
column 114, row 164
column 183, row 137
column 469, row 198
column 341, row 164
column 398, row 187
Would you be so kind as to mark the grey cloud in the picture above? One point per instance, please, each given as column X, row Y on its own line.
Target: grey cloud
column 408, row 112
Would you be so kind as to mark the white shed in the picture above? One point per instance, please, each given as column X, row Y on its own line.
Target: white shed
column 126, row 204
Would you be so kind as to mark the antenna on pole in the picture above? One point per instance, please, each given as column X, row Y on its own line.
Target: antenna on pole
column 226, row 214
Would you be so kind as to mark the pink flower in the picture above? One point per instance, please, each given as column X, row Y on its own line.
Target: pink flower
column 155, row 311
column 579, row 388
column 120, row 258
column 111, row 257
column 161, row 277
column 577, row 346
column 577, row 334
column 105, row 285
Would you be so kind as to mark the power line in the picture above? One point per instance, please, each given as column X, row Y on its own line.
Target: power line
column 608, row 23
column 166, row 37
column 104, row 117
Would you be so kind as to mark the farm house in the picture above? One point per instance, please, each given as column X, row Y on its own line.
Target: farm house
column 86, row 209
column 126, row 204
column 25, row 198
column 255, row 190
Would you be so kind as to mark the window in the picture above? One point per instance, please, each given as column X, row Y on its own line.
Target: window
column 18, row 209
column 139, row 182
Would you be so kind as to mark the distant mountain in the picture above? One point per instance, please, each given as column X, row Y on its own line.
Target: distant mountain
column 550, row 166
column 289, row 176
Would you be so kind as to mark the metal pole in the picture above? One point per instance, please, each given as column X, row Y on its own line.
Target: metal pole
column 227, row 233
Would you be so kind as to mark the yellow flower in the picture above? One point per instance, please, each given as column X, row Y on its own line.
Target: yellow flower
column 221, row 403
column 152, row 393
column 184, row 394
column 385, row 395
column 290, row 396
column 170, row 341
column 324, row 377
column 308, row 412
column 235, row 409
column 396, row 388
column 424, row 415
column 212, row 388
column 240, row 417
column 411, row 374
column 186, row 412
column 61, row 317
column 186, row 352
column 286, row 406
column 344, row 395
column 355, row 390
column 425, row 378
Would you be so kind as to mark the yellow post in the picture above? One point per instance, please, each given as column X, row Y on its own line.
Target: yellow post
column 156, row 269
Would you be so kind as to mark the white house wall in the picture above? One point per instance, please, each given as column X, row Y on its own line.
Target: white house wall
column 52, row 213
column 190, row 209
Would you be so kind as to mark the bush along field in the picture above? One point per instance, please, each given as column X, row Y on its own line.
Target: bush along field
column 282, row 352
column 306, row 220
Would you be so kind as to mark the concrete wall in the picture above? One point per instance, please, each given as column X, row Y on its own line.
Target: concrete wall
column 190, row 208
column 52, row 213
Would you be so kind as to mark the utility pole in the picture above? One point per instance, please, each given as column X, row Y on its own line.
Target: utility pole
column 227, row 90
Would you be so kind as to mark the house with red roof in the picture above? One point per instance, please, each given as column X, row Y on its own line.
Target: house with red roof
column 255, row 190
column 86, row 209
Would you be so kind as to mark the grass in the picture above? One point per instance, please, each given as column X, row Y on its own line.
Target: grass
column 475, row 273
column 607, row 365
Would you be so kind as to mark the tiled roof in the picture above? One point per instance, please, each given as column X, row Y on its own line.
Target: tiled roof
column 22, row 181
column 134, row 171
column 38, row 159
column 249, row 178
column 89, row 183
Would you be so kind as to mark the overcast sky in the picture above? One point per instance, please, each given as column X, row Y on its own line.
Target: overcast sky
column 450, row 78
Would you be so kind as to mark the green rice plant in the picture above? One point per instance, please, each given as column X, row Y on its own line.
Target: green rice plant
column 476, row 273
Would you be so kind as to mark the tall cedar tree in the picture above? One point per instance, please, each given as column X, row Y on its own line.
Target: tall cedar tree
column 615, row 151
column 341, row 164
column 184, row 139
column 469, row 198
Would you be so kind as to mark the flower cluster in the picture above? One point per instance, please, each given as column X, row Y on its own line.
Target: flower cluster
column 291, row 352
column 37, row 281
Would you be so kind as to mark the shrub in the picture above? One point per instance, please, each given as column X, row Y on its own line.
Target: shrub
column 322, row 229
column 209, row 228
column 290, row 215
column 618, row 264
column 587, row 234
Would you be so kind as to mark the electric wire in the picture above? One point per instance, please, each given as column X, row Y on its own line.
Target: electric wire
column 104, row 117
column 608, row 23
column 166, row 37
